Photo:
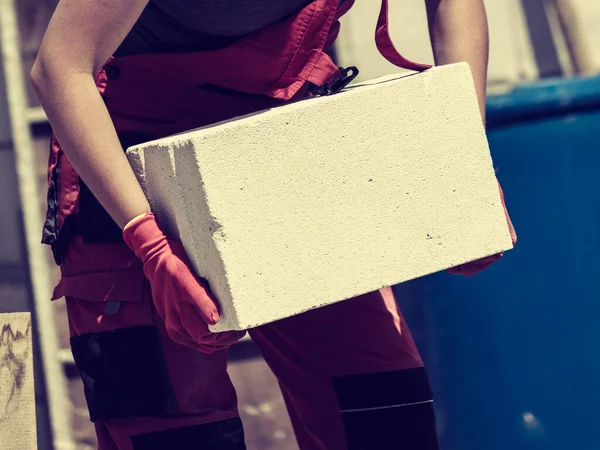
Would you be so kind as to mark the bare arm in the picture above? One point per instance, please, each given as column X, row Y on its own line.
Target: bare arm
column 82, row 35
column 459, row 32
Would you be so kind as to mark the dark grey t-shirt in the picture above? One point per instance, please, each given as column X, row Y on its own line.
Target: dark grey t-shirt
column 192, row 25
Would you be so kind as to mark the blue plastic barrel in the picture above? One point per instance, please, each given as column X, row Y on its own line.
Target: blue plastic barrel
column 514, row 352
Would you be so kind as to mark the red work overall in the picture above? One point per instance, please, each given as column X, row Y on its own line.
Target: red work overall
column 350, row 374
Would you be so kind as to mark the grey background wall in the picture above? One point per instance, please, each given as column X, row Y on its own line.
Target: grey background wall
column 525, row 38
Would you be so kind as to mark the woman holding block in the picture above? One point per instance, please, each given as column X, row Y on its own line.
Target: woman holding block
column 115, row 73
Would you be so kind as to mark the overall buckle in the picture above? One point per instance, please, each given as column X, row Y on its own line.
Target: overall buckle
column 338, row 81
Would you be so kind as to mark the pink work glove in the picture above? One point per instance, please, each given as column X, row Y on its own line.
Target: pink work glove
column 474, row 267
column 180, row 299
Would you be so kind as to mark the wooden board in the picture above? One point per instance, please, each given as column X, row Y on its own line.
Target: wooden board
column 17, row 402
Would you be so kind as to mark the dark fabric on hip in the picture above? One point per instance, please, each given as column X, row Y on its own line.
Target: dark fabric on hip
column 51, row 228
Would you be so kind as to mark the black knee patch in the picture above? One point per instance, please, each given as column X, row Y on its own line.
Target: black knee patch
column 124, row 374
column 221, row 435
column 388, row 410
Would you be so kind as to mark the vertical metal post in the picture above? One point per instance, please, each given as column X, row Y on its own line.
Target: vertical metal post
column 25, row 161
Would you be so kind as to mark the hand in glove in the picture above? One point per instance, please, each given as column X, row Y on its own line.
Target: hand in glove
column 185, row 305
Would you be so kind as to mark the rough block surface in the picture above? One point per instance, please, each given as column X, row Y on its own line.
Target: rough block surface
column 324, row 199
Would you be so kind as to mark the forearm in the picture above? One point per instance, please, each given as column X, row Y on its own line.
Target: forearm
column 459, row 32
column 86, row 133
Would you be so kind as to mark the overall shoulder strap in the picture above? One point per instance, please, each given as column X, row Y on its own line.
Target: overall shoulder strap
column 386, row 46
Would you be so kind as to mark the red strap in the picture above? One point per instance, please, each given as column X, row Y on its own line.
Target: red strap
column 386, row 46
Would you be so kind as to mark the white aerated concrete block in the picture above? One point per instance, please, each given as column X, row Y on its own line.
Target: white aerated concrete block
column 319, row 201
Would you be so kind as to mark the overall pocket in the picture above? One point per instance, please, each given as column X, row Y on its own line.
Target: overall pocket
column 116, row 346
